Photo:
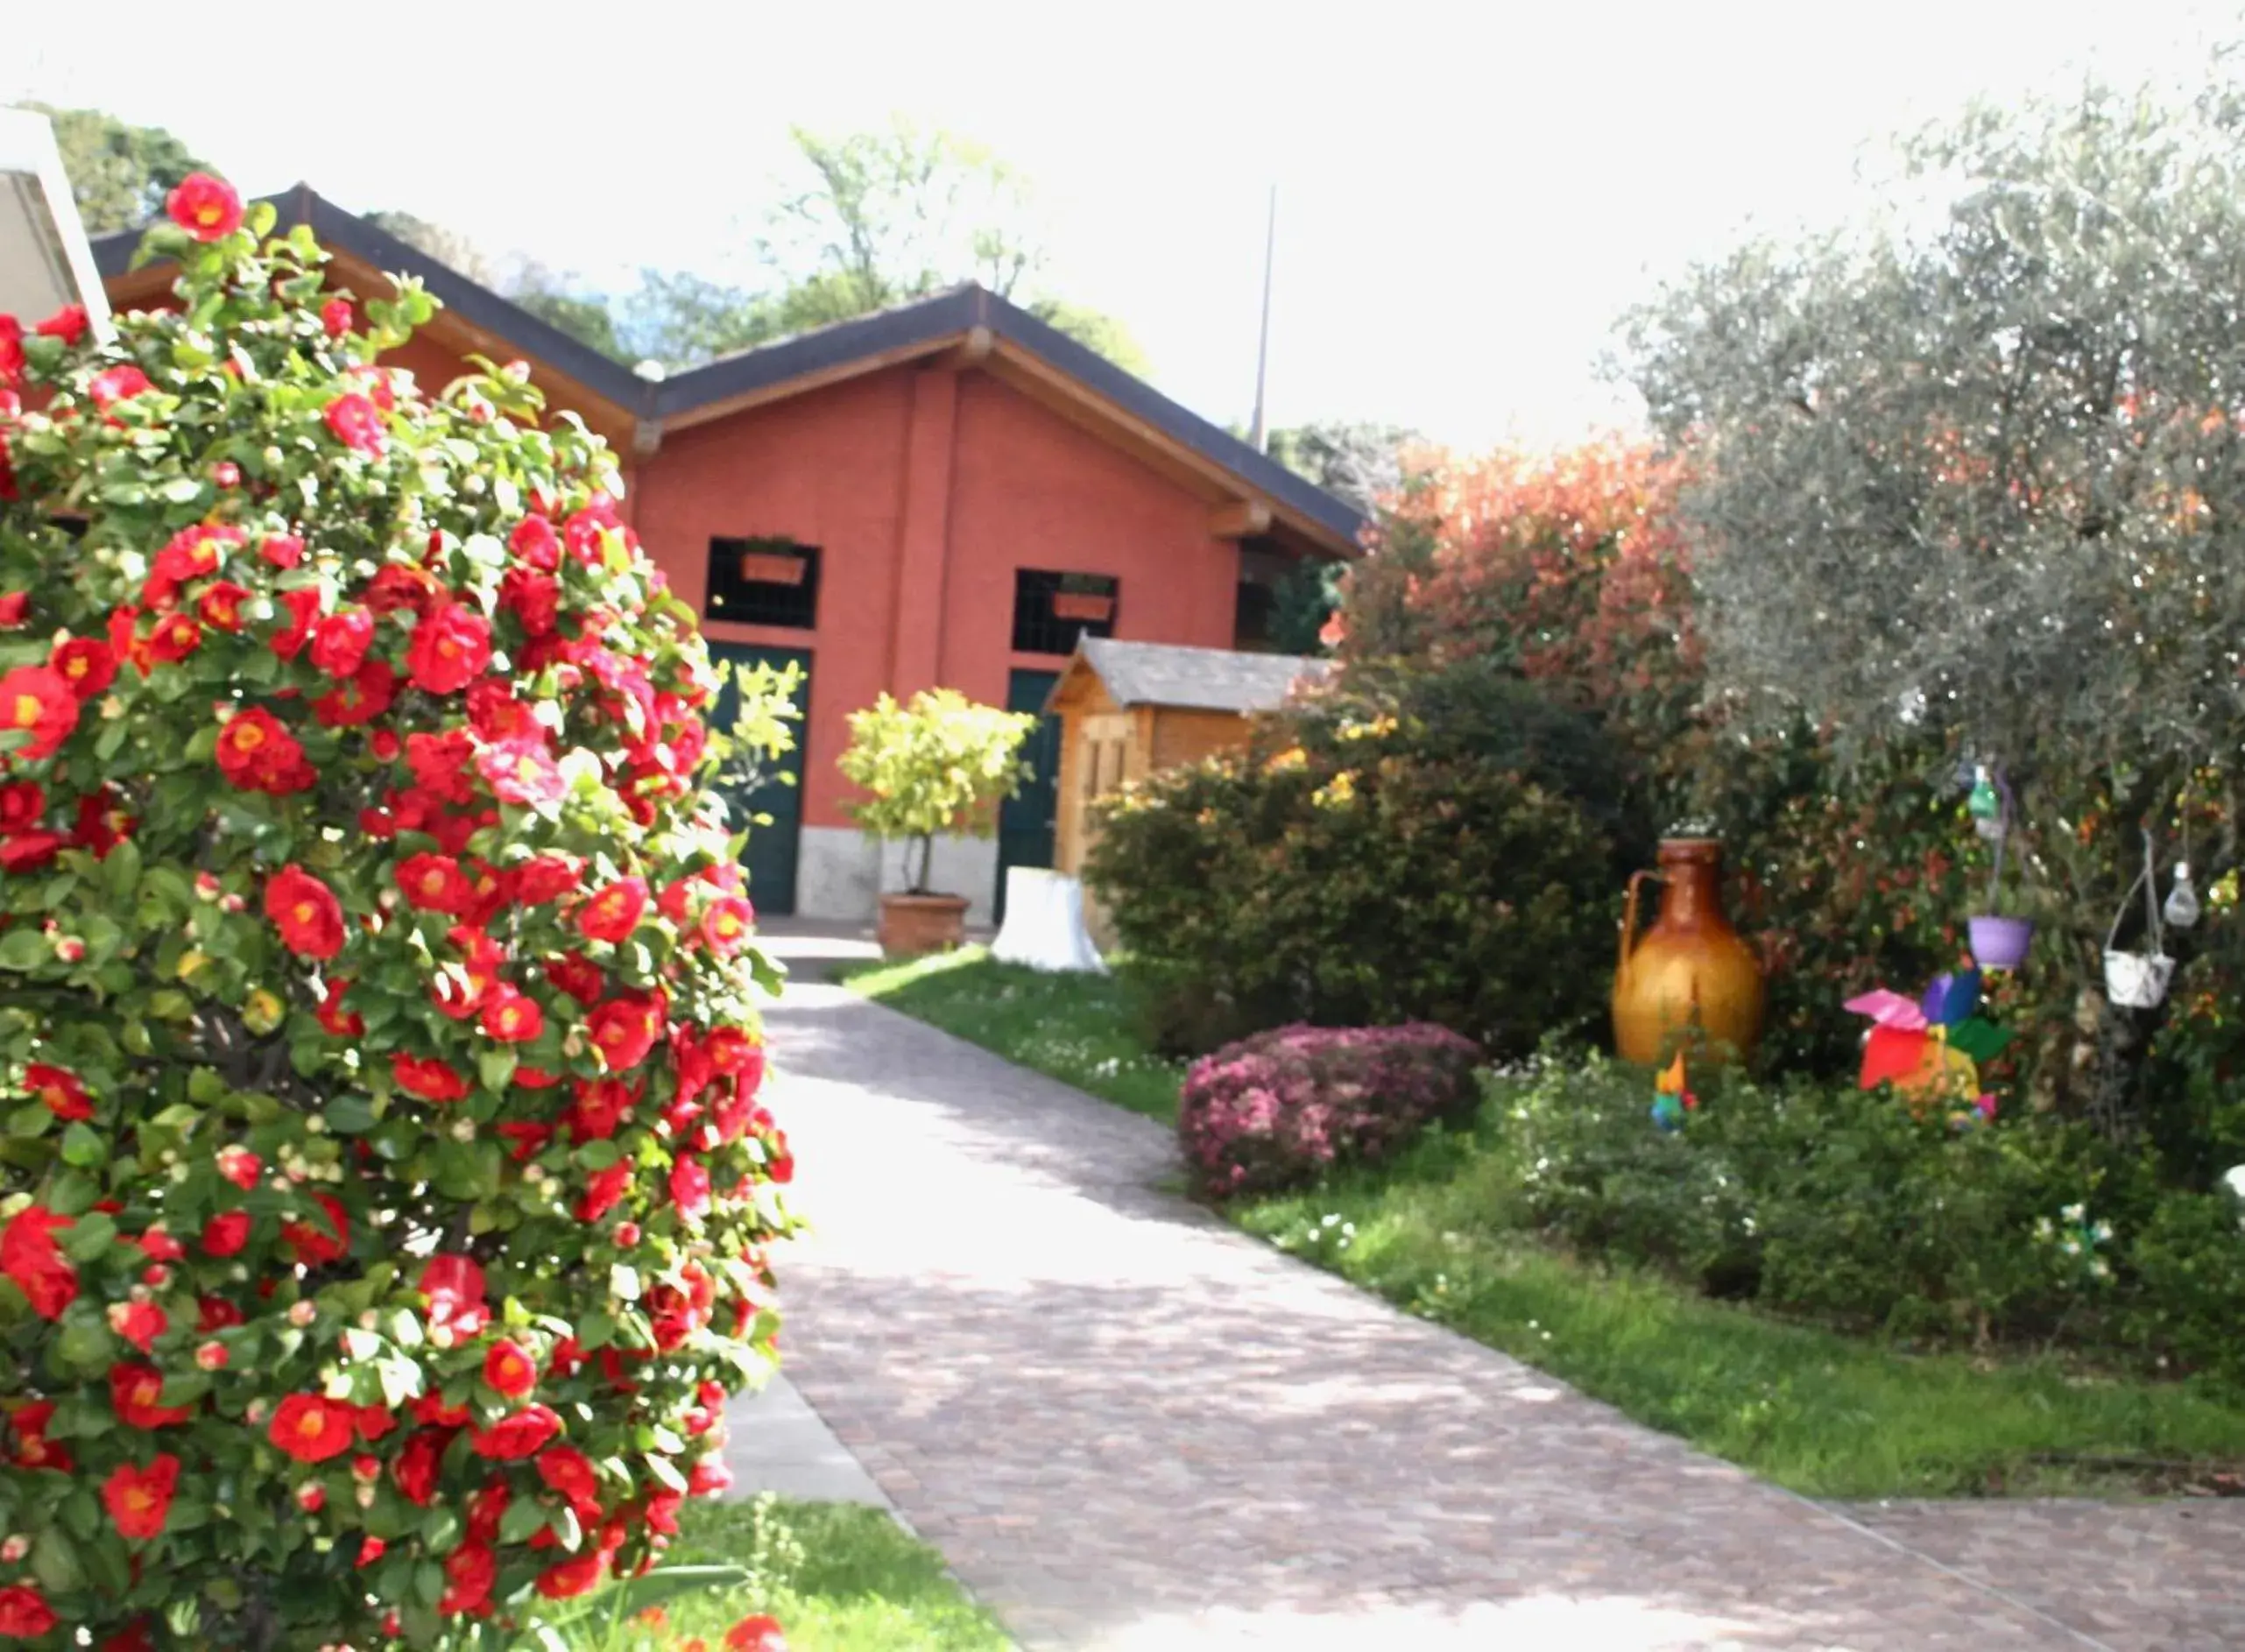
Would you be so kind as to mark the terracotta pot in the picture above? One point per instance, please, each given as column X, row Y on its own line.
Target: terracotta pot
column 1690, row 967
column 1082, row 605
column 913, row 926
column 771, row 567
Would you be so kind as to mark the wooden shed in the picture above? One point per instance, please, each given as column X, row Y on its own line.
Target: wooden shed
column 1128, row 709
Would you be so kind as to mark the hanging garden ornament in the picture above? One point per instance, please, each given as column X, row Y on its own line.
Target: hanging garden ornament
column 2182, row 908
column 1984, row 806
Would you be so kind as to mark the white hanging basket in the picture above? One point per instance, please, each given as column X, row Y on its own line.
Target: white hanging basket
column 2138, row 980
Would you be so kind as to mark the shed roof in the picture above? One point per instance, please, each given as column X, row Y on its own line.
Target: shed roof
column 1196, row 679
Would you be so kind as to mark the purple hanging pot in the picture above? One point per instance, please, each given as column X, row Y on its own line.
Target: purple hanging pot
column 2000, row 943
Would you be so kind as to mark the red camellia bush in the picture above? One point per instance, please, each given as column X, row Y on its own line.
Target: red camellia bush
column 1280, row 1108
column 388, row 1188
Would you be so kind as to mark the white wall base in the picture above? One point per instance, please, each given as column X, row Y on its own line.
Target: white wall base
column 840, row 874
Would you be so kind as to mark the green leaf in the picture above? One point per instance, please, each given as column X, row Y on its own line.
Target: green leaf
column 24, row 949
column 54, row 1561
column 82, row 1147
column 523, row 1517
column 496, row 1068
column 441, row 1529
column 669, row 1583
column 350, row 1115
column 95, row 1232
column 33, row 1118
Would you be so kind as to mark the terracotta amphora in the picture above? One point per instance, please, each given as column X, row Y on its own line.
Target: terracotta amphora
column 1691, row 965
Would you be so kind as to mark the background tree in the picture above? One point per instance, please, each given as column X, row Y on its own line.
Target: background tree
column 865, row 221
column 119, row 172
column 1364, row 464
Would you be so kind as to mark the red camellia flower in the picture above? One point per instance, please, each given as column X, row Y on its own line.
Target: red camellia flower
column 60, row 1089
column 306, row 913
column 220, row 605
column 340, row 642
column 258, row 753
column 25, row 1614
column 336, row 317
column 535, row 544
column 338, row 1021
column 469, row 1572
column 13, row 607
column 565, row 1579
column 521, row 771
column 624, row 1030
column 430, row 1077
column 759, row 1634
column 114, row 384
column 69, row 324
column 302, row 607
column 207, row 208
column 519, row 1434
column 135, row 1392
column 86, row 664
column 139, row 1323
column 689, row 1186
column 569, row 1472
column 322, row 1239
column 358, row 424
column 30, row 1256
column 415, row 1470
column 614, row 911
column 176, row 636
column 603, row 1191
column 312, row 1428
column 239, row 1166
column 139, row 1499
column 578, row 976
column 36, row 701
column 509, row 1370
column 544, row 877
column 282, row 550
column 33, row 1449
column 435, row 883
column 360, row 698
column 512, row 1016
column 451, row 647
column 727, row 923
column 226, row 1234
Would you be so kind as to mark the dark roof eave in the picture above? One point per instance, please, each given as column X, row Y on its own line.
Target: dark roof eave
column 469, row 299
column 807, row 356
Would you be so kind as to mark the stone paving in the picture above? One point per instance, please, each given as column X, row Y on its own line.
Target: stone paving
column 1128, row 1426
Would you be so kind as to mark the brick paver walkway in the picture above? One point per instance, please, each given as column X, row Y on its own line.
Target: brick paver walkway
column 1129, row 1426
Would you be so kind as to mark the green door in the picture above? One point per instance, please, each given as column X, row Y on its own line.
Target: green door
column 1025, row 820
column 770, row 860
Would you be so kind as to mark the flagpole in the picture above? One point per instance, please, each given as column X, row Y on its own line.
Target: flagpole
column 1260, row 434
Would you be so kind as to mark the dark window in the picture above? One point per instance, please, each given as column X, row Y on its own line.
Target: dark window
column 1252, row 618
column 1052, row 610
column 763, row 583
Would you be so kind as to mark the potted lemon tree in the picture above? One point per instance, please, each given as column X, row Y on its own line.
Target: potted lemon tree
column 937, row 765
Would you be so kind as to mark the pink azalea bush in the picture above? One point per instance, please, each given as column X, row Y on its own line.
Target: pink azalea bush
column 385, row 1189
column 1284, row 1106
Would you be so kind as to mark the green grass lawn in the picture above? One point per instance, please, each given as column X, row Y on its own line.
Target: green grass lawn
column 1080, row 1029
column 1827, row 1415
column 839, row 1578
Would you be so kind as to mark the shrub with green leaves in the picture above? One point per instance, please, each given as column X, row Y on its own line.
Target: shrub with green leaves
column 938, row 764
column 1361, row 878
column 387, row 1191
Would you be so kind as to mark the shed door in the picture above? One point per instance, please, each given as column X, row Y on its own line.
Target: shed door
column 769, row 859
column 1026, row 819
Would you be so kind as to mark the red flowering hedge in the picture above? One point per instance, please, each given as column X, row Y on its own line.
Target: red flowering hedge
column 386, row 1197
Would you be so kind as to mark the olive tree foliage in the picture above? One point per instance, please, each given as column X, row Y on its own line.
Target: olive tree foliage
column 1982, row 474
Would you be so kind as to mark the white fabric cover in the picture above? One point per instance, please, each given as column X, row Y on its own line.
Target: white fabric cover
column 1044, row 923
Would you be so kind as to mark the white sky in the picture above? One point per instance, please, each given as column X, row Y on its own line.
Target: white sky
column 1471, row 191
